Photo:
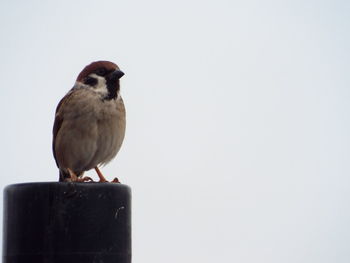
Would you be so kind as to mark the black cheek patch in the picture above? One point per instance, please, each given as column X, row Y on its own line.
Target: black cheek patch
column 90, row 81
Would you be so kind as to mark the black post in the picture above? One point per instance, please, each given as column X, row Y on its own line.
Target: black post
column 67, row 222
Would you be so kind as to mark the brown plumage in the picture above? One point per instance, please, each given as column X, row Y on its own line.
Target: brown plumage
column 89, row 123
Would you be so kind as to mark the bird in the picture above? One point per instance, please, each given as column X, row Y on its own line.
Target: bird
column 90, row 121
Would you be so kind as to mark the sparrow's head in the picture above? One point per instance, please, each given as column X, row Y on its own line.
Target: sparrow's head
column 102, row 77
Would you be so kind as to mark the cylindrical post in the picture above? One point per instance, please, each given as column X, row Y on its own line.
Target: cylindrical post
column 67, row 222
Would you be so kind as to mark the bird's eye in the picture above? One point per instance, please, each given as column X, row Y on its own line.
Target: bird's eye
column 101, row 72
column 90, row 81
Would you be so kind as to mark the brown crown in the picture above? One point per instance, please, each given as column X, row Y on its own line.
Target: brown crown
column 94, row 66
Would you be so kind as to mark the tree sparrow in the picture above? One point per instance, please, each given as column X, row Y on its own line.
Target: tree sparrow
column 89, row 123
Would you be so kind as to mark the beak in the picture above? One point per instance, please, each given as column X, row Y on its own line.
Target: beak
column 117, row 74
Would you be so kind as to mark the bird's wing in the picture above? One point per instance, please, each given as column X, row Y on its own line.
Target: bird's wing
column 58, row 121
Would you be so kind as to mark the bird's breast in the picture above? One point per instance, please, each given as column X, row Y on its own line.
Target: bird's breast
column 110, row 121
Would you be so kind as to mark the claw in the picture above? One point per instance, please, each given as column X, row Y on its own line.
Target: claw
column 116, row 180
column 103, row 179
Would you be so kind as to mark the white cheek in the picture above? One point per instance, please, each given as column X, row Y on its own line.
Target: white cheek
column 101, row 86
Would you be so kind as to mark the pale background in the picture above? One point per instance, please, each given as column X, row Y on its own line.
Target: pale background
column 237, row 145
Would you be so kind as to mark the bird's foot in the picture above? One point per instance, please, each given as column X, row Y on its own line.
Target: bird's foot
column 100, row 175
column 84, row 179
column 76, row 179
column 115, row 180
column 79, row 179
column 103, row 179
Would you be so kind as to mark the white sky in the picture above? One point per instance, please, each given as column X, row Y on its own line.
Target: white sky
column 237, row 145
